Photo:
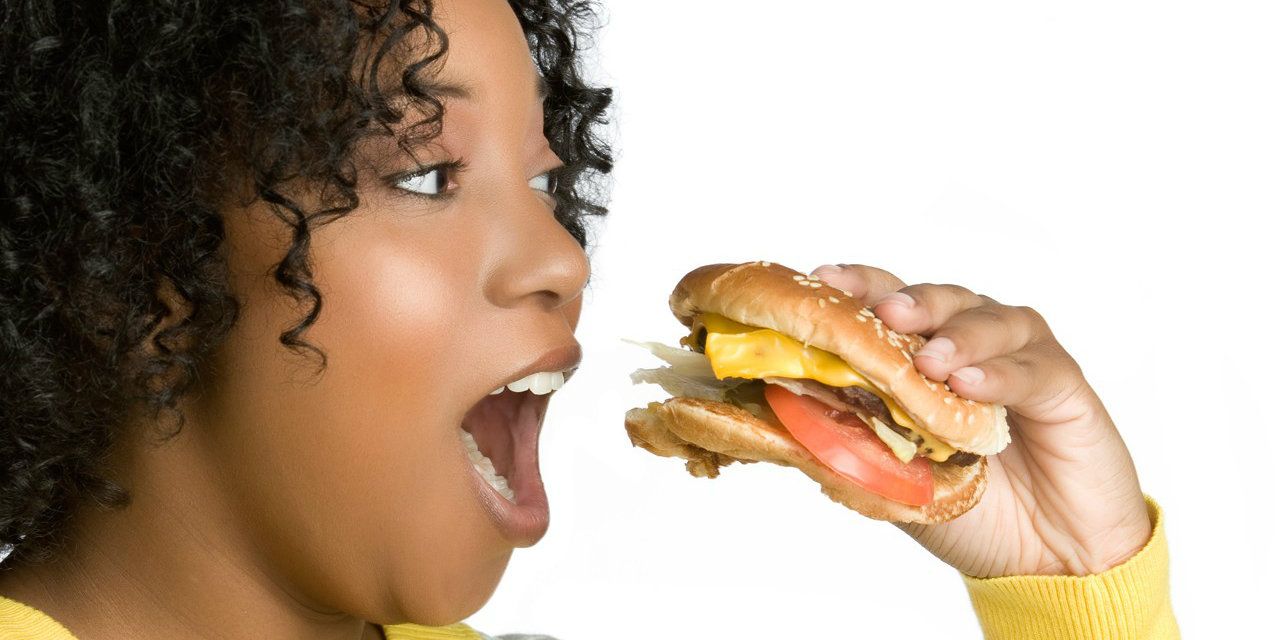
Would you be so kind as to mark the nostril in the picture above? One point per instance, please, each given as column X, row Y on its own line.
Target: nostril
column 548, row 272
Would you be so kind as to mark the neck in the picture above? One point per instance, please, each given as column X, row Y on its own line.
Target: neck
column 175, row 563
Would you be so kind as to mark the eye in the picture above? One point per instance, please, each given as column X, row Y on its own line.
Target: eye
column 435, row 180
column 545, row 182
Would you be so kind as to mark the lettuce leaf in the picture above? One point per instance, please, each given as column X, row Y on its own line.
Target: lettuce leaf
column 690, row 375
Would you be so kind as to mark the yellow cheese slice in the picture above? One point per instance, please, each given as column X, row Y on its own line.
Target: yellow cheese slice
column 741, row 351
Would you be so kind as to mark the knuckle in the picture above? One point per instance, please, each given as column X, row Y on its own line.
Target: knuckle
column 989, row 313
column 1023, row 310
column 1026, row 361
column 1063, row 359
column 1047, row 361
column 943, row 295
column 1030, row 315
column 925, row 292
column 982, row 317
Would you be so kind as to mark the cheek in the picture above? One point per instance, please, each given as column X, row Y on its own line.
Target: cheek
column 389, row 317
column 390, row 325
column 363, row 462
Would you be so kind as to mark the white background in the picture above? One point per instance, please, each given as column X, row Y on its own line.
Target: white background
column 1115, row 165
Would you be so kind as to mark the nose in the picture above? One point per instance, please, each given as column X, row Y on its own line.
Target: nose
column 539, row 260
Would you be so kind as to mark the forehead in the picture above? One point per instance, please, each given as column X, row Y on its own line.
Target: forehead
column 487, row 78
column 488, row 57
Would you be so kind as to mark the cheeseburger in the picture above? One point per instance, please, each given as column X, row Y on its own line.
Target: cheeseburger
column 780, row 367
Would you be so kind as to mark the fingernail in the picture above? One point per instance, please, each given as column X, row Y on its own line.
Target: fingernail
column 899, row 298
column 938, row 348
column 970, row 375
column 825, row 270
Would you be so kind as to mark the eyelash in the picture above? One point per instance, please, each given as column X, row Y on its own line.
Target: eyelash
column 450, row 167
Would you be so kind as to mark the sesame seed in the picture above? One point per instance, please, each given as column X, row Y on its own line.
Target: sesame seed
column 822, row 302
column 948, row 400
column 968, row 402
column 959, row 416
column 797, row 278
column 878, row 321
column 847, row 293
column 816, row 285
column 866, row 312
column 766, row 264
column 970, row 420
column 934, row 387
column 904, row 353
column 833, row 299
column 861, row 318
column 811, row 277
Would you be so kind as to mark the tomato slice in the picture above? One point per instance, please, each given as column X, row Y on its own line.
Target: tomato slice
column 852, row 451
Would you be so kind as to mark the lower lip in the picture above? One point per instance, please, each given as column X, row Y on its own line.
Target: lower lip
column 525, row 521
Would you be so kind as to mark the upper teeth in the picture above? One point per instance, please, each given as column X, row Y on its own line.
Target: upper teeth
column 540, row 383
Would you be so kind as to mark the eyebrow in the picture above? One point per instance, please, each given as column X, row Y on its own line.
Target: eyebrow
column 445, row 90
column 463, row 92
column 451, row 90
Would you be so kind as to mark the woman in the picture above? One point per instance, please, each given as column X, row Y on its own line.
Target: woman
column 262, row 265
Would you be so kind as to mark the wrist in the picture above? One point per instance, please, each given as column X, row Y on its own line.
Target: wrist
column 1099, row 546
column 1126, row 542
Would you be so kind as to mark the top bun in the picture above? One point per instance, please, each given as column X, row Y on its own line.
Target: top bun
column 771, row 296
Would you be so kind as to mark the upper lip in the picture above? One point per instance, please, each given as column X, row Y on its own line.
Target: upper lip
column 563, row 358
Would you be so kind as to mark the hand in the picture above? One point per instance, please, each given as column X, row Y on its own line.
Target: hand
column 1063, row 497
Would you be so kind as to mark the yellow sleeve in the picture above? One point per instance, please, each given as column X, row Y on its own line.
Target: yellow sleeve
column 1127, row 602
column 409, row 631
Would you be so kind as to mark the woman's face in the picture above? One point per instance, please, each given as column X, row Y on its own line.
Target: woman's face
column 356, row 487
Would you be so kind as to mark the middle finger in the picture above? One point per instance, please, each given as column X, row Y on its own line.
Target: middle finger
column 923, row 308
column 974, row 336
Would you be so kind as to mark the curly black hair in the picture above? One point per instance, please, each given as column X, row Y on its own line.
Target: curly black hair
column 122, row 123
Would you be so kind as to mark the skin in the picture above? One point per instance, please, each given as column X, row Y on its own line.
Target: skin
column 1063, row 497
column 267, row 516
column 292, row 506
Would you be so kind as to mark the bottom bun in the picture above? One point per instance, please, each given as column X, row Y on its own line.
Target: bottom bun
column 710, row 435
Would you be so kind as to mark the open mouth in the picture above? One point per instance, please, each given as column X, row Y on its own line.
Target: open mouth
column 500, row 437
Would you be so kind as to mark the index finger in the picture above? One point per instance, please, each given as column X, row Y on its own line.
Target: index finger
column 863, row 282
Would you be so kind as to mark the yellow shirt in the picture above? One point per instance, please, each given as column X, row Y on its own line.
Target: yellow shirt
column 1128, row 602
column 21, row 622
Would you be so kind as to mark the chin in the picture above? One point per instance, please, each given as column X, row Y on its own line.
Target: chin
column 448, row 599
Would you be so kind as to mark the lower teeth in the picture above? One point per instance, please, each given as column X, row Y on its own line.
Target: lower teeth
column 484, row 466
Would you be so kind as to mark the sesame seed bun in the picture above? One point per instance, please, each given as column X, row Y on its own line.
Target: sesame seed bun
column 711, row 434
column 771, row 296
